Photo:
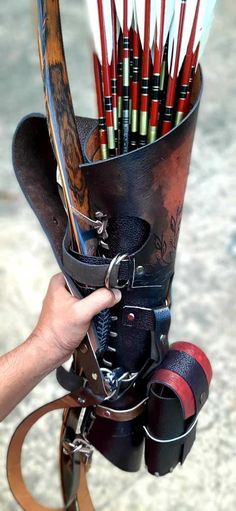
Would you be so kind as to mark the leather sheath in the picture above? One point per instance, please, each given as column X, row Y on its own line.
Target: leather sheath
column 178, row 389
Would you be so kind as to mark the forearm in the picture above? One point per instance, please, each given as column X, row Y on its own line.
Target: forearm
column 21, row 370
column 62, row 325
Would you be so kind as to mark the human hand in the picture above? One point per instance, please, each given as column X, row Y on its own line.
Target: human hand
column 65, row 319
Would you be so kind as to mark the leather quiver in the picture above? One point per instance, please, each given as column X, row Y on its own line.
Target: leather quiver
column 141, row 194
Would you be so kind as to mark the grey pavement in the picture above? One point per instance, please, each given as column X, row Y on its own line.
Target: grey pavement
column 204, row 308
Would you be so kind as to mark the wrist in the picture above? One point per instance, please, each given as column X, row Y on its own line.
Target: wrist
column 47, row 352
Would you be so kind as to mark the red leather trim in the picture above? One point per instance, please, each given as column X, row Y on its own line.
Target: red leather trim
column 179, row 386
column 195, row 352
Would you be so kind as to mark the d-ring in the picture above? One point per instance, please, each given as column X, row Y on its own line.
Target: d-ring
column 114, row 267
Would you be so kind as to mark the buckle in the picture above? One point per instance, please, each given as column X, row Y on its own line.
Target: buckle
column 114, row 378
column 81, row 447
column 112, row 274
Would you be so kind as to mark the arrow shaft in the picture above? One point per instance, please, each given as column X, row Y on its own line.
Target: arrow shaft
column 145, row 77
column 101, row 117
column 186, row 71
column 106, row 82
column 172, row 82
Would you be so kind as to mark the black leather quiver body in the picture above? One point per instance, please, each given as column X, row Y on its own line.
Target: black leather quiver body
column 140, row 196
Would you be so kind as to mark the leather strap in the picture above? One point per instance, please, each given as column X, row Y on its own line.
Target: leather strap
column 191, row 371
column 147, row 319
column 73, row 465
column 14, row 472
column 73, row 470
column 180, row 387
column 187, row 371
column 195, row 352
column 69, row 380
column 92, row 271
column 120, row 415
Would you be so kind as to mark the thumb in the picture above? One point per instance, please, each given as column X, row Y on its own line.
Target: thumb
column 96, row 302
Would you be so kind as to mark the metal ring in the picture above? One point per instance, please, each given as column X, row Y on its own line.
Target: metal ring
column 114, row 262
column 80, row 445
column 167, row 441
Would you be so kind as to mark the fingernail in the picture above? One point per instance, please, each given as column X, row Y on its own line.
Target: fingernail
column 117, row 294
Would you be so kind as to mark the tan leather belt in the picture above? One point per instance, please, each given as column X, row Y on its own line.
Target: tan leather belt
column 79, row 493
column 120, row 415
column 14, row 472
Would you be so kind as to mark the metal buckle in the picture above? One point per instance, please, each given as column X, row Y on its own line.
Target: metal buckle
column 79, row 446
column 114, row 381
column 115, row 266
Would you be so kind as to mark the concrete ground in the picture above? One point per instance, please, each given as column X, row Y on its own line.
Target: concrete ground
column 204, row 308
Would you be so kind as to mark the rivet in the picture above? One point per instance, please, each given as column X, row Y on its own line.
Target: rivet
column 203, row 397
column 171, row 469
column 131, row 316
column 94, row 376
column 157, row 474
column 139, row 270
column 81, row 400
column 83, row 348
column 163, row 338
column 107, row 413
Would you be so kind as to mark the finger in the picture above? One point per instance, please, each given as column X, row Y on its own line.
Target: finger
column 57, row 282
column 96, row 302
column 58, row 286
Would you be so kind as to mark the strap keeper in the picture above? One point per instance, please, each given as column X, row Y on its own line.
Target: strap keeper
column 159, row 334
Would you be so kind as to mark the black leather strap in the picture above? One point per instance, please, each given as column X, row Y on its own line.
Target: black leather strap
column 189, row 369
column 147, row 319
column 92, row 271
column 68, row 379
column 157, row 321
